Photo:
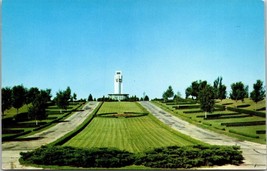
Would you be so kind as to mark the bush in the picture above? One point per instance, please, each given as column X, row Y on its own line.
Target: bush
column 70, row 156
column 251, row 123
column 261, row 132
column 244, row 134
column 251, row 112
column 165, row 157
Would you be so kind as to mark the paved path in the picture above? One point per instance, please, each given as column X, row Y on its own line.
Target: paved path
column 11, row 150
column 254, row 153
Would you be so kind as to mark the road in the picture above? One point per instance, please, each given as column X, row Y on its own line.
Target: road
column 11, row 150
column 254, row 153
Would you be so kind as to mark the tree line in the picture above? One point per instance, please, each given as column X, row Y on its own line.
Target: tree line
column 206, row 94
column 36, row 99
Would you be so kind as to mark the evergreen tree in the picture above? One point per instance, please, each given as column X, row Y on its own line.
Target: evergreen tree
column 6, row 99
column 90, row 97
column 258, row 92
column 18, row 96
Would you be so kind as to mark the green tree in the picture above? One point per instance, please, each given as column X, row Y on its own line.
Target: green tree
column 62, row 99
column 6, row 99
column 177, row 97
column 188, row 92
column 31, row 95
column 146, row 98
column 194, row 89
column 258, row 92
column 18, row 96
column 90, row 97
column 219, row 89
column 74, row 96
column 168, row 93
column 39, row 104
column 206, row 99
column 238, row 91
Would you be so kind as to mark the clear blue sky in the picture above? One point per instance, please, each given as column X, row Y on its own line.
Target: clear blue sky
column 155, row 43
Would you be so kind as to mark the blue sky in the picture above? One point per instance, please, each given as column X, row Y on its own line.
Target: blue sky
column 155, row 43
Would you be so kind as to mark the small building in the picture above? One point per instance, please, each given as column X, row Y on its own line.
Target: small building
column 118, row 95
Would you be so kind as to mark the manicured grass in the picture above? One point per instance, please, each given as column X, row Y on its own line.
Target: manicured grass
column 246, row 132
column 132, row 134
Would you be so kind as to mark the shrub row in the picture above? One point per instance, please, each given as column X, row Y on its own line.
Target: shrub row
column 261, row 132
column 11, row 137
column 70, row 156
column 12, row 131
column 251, row 112
column 193, row 106
column 71, row 134
column 164, row 157
column 222, row 107
column 190, row 156
column 199, row 111
column 243, row 134
column 243, row 105
column 250, row 123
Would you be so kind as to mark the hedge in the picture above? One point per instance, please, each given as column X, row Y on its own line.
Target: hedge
column 250, row 123
column 163, row 157
column 8, row 138
column 261, row 132
column 243, row 134
column 251, row 112
column 243, row 105
column 194, row 106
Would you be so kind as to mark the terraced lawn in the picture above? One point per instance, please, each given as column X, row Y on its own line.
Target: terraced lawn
column 217, row 120
column 134, row 134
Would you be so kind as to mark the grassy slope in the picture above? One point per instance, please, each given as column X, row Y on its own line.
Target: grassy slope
column 132, row 134
column 216, row 123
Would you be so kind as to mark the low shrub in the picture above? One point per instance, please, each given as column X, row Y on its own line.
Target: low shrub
column 243, row 105
column 251, row 112
column 164, row 157
column 244, row 134
column 261, row 132
column 190, row 156
column 70, row 156
column 251, row 123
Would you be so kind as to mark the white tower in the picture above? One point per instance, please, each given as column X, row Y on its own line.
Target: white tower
column 118, row 82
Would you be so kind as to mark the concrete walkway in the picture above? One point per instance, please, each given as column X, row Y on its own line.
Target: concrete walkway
column 254, row 153
column 11, row 150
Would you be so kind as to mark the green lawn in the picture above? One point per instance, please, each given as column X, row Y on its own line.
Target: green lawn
column 132, row 134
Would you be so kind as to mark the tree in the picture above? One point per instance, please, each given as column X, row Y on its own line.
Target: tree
column 37, row 110
column 18, row 96
column 238, row 91
column 31, row 95
column 6, row 99
column 146, row 98
column 258, row 92
column 177, row 97
column 74, row 96
column 188, row 92
column 90, row 97
column 168, row 93
column 62, row 99
column 206, row 98
column 219, row 89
